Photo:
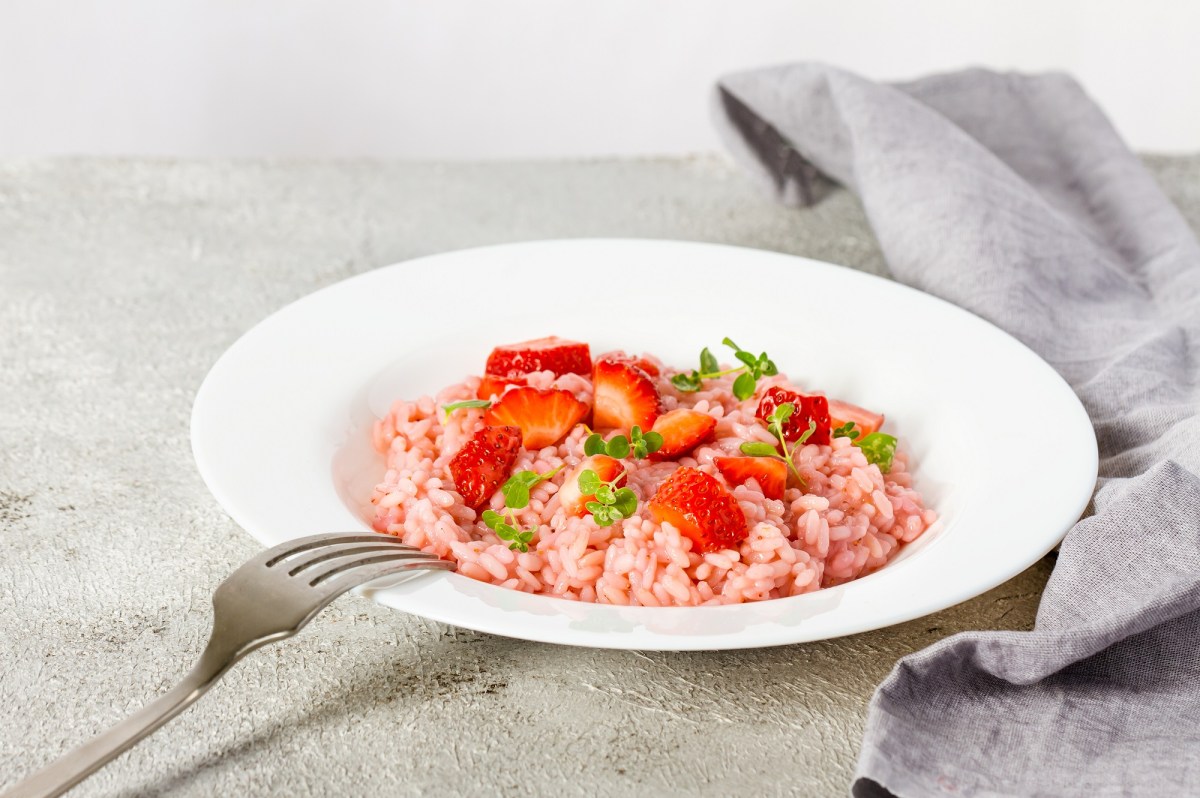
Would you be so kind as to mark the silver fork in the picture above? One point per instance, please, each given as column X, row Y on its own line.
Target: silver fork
column 269, row 598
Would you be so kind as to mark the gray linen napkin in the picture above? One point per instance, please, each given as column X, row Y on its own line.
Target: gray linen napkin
column 1013, row 196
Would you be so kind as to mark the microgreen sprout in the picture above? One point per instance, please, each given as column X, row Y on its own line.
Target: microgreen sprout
column 610, row 503
column 450, row 408
column 752, row 369
column 775, row 422
column 640, row 444
column 516, row 497
column 847, row 430
column 879, row 448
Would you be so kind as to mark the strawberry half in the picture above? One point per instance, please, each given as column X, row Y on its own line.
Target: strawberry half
column 682, row 430
column 491, row 386
column 841, row 413
column 623, row 395
column 569, row 495
column 544, row 354
column 643, row 363
column 543, row 416
column 483, row 463
column 808, row 408
column 769, row 473
column 700, row 508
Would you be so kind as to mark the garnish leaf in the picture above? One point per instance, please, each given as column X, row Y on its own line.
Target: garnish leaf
column 879, row 448
column 589, row 482
column 759, row 449
column 804, row 436
column 654, row 441
column 846, row 430
column 450, row 408
column 492, row 518
column 618, row 447
column 594, row 444
column 743, row 386
column 708, row 362
column 625, row 502
column 686, row 383
column 747, row 358
column 605, row 494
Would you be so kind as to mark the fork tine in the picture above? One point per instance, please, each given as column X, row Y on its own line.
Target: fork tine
column 322, row 575
column 292, row 547
column 337, row 551
column 352, row 577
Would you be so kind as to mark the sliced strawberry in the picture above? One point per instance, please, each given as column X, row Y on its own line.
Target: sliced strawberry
column 491, row 386
column 545, row 354
column 543, row 416
column 483, row 463
column 682, row 430
column 569, row 496
column 623, row 395
column 807, row 408
column 700, row 508
column 641, row 362
column 841, row 413
column 769, row 473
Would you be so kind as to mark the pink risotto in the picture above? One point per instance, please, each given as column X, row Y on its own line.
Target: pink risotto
column 621, row 480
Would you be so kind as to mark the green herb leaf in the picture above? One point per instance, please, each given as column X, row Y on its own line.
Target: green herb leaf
column 605, row 494
column 594, row 444
column 589, row 482
column 654, row 441
column 879, row 448
column 743, row 386
column 782, row 413
column 708, row 362
column 491, row 518
column 729, row 343
column 595, row 507
column 516, row 494
column 767, row 366
column 746, row 358
column 812, row 427
column 686, row 383
column 847, row 430
column 625, row 502
column 618, row 447
column 450, row 408
column 759, row 449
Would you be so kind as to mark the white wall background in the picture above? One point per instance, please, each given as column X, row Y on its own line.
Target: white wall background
column 528, row 78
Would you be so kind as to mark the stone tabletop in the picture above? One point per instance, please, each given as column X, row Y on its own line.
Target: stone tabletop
column 121, row 282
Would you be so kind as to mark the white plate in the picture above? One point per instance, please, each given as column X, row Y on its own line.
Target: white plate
column 1000, row 445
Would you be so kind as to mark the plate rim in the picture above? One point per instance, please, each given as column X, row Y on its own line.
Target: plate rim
column 402, row 597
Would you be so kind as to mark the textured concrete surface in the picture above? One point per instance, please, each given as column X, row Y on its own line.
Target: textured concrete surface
column 122, row 282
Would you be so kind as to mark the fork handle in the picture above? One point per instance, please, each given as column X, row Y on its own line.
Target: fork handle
column 74, row 766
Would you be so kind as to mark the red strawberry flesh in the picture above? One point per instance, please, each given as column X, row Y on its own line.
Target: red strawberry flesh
column 700, row 507
column 682, row 430
column 866, row 422
column 807, row 408
column 484, row 462
column 623, row 395
column 771, row 474
column 544, row 354
column 544, row 417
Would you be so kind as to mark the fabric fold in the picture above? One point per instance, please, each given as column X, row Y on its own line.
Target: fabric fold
column 1012, row 196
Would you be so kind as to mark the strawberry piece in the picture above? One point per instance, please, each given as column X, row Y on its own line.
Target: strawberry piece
column 700, row 508
column 623, row 395
column 544, row 354
column 841, row 413
column 483, row 463
column 491, row 386
column 543, row 416
column 808, row 408
column 682, row 430
column 641, row 362
column 569, row 496
column 769, row 473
